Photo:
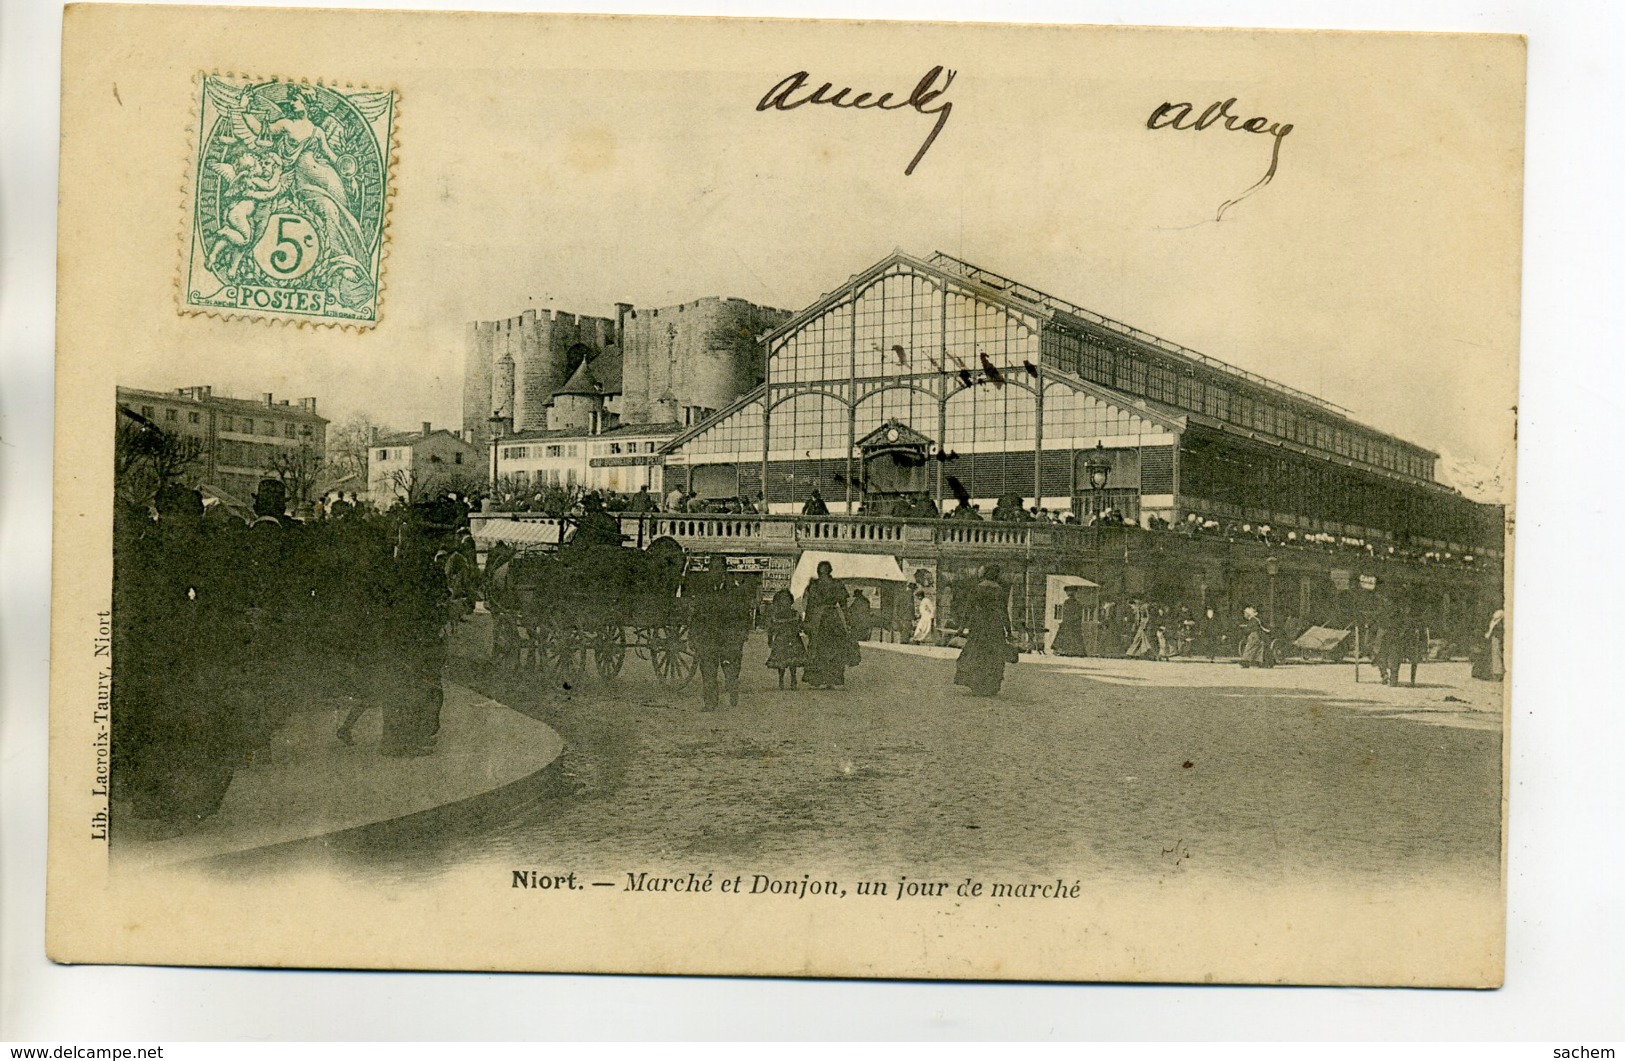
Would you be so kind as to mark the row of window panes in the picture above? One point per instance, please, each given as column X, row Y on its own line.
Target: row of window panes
column 804, row 434
column 819, row 350
column 1166, row 384
column 810, row 422
column 171, row 415
column 613, row 449
column 903, row 312
column 245, row 426
column 1069, row 414
column 227, row 423
column 818, row 422
column 1320, row 491
column 247, row 454
column 545, row 477
column 740, row 432
column 985, row 413
column 977, row 329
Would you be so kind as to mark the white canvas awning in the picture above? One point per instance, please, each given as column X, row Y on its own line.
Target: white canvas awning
column 488, row 531
column 855, row 567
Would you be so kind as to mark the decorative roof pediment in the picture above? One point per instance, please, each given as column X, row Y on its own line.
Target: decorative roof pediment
column 894, row 434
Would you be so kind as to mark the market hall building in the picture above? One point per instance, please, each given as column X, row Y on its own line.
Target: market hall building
column 932, row 380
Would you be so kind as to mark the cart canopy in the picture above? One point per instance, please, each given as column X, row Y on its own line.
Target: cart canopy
column 1321, row 639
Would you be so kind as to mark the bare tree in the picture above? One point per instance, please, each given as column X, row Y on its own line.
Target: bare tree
column 349, row 444
column 174, row 455
column 515, row 494
column 403, row 484
column 412, row 486
column 146, row 458
column 129, row 446
column 297, row 470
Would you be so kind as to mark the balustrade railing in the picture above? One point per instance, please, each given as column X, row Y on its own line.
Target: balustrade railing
column 771, row 533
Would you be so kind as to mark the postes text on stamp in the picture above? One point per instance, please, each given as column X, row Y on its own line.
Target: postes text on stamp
column 288, row 200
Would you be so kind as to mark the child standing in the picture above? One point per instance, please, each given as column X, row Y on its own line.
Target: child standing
column 786, row 648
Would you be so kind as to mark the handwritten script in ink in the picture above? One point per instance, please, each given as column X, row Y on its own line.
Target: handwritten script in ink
column 1177, row 115
column 926, row 99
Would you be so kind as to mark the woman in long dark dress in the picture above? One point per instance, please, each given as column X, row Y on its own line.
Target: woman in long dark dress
column 987, row 637
column 1255, row 649
column 1069, row 635
column 828, row 644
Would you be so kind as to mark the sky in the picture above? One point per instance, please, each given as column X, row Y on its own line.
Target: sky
column 577, row 163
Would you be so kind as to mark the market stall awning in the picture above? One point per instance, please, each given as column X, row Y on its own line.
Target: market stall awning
column 854, row 567
column 516, row 532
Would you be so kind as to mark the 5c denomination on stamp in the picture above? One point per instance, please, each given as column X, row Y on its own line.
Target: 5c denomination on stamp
column 288, row 201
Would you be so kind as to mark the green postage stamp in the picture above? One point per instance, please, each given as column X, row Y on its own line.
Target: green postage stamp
column 289, row 196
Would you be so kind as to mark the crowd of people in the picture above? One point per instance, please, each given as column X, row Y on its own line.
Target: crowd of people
column 564, row 501
column 812, row 643
column 1395, row 633
column 1139, row 629
column 223, row 628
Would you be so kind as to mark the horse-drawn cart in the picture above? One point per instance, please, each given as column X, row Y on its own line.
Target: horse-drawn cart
column 562, row 610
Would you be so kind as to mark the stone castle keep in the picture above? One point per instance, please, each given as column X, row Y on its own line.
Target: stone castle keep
column 553, row 371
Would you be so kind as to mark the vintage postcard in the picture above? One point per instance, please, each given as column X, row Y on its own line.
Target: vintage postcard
column 783, row 498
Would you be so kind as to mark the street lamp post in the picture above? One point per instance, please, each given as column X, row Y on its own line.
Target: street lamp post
column 498, row 424
column 1272, row 567
column 1098, row 472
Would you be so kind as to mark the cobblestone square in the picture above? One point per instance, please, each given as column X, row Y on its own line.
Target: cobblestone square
column 1093, row 769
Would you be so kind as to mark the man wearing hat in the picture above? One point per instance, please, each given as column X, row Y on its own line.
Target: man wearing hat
column 416, row 610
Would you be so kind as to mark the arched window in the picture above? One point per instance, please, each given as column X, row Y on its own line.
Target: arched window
column 808, row 425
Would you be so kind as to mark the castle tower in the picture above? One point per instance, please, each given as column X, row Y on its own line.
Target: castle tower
column 533, row 375
column 502, row 388
column 477, row 380
column 700, row 355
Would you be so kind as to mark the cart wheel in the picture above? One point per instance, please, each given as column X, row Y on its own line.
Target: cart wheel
column 609, row 651
column 564, row 653
column 669, row 652
column 642, row 638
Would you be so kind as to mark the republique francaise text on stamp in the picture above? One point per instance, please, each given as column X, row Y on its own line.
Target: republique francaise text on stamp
column 289, row 194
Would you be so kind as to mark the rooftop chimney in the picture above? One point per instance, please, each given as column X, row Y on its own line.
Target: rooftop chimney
column 372, row 435
column 426, row 429
column 266, row 398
